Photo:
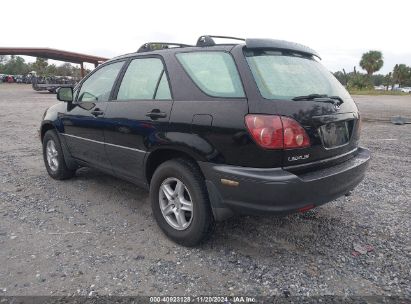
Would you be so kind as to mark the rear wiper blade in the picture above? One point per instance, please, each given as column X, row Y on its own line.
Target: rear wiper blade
column 322, row 97
column 310, row 97
column 337, row 98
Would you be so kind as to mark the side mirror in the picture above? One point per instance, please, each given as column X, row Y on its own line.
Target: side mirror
column 65, row 94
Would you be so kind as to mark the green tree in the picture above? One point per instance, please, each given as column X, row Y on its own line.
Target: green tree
column 371, row 62
column 388, row 81
column 401, row 74
column 66, row 69
column 3, row 59
column 40, row 66
column 377, row 79
column 341, row 77
column 51, row 70
column 360, row 82
column 15, row 66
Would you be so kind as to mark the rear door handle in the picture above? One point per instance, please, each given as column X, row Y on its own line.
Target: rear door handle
column 155, row 114
column 97, row 112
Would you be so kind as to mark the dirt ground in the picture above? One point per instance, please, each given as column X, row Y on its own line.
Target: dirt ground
column 383, row 107
column 94, row 234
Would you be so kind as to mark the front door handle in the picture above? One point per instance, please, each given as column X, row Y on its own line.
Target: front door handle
column 155, row 114
column 97, row 112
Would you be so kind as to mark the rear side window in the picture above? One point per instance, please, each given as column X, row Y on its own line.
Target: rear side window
column 213, row 72
column 144, row 79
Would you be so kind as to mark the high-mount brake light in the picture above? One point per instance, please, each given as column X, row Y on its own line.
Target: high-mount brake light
column 276, row 132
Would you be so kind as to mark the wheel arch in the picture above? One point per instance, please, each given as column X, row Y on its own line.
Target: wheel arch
column 46, row 126
column 157, row 157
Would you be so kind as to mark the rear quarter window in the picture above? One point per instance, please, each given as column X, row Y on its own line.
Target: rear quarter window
column 213, row 72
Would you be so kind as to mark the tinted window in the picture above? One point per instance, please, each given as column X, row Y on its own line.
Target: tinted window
column 214, row 73
column 285, row 76
column 142, row 79
column 163, row 90
column 98, row 86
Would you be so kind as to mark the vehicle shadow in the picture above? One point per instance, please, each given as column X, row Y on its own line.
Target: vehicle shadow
column 106, row 184
column 313, row 232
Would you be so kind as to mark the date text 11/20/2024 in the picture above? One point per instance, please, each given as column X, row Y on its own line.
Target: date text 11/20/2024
column 202, row 299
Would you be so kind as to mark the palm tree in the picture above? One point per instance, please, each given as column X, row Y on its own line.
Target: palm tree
column 401, row 73
column 371, row 62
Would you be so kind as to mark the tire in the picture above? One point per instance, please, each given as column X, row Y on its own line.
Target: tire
column 200, row 221
column 56, row 168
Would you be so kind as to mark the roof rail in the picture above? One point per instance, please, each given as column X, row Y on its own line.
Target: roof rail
column 207, row 40
column 153, row 46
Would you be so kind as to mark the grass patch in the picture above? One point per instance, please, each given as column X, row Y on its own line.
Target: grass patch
column 375, row 92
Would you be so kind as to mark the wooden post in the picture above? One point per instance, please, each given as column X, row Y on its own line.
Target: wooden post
column 82, row 70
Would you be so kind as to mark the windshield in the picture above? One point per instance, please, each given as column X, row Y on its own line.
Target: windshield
column 285, row 75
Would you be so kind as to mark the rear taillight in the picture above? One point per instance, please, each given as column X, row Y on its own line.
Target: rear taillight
column 294, row 135
column 267, row 130
column 276, row 132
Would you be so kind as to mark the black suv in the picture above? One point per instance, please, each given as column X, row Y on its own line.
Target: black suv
column 212, row 130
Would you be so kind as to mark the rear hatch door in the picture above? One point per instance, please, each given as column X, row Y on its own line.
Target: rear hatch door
column 295, row 85
column 332, row 130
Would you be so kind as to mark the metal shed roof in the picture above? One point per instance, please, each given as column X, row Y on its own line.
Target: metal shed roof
column 52, row 54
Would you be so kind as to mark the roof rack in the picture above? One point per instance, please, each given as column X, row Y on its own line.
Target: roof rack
column 153, row 46
column 207, row 40
column 251, row 43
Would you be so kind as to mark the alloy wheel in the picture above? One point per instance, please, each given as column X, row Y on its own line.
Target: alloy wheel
column 52, row 155
column 175, row 203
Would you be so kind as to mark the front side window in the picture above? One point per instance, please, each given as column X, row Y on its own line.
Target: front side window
column 213, row 72
column 145, row 78
column 98, row 86
column 282, row 75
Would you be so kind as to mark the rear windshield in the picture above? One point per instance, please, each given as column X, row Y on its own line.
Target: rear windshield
column 284, row 75
column 213, row 72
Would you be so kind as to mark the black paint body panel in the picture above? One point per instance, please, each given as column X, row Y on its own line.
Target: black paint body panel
column 264, row 191
column 209, row 130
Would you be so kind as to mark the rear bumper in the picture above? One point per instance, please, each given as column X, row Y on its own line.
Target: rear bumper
column 263, row 191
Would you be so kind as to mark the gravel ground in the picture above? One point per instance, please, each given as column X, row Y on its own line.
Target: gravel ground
column 94, row 234
column 383, row 107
